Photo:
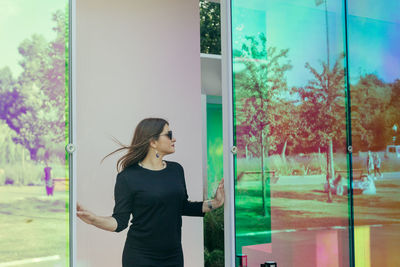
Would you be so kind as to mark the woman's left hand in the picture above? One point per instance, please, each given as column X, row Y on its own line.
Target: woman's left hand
column 219, row 197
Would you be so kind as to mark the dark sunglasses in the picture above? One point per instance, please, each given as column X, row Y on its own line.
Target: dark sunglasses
column 169, row 135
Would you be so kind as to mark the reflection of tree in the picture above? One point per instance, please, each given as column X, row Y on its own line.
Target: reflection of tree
column 371, row 123
column 394, row 111
column 284, row 128
column 33, row 105
column 257, row 88
column 323, row 111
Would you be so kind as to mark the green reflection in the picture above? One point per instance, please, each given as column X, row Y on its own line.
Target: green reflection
column 214, row 143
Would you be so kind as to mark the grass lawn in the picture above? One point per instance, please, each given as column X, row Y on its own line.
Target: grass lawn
column 32, row 224
column 304, row 205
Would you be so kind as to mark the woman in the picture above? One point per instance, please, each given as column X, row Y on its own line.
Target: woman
column 377, row 166
column 154, row 192
column 370, row 163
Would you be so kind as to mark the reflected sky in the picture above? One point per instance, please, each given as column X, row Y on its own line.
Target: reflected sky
column 300, row 26
column 19, row 19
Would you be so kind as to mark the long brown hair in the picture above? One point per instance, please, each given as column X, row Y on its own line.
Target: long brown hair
column 147, row 130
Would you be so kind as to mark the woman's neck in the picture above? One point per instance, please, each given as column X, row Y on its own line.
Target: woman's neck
column 153, row 163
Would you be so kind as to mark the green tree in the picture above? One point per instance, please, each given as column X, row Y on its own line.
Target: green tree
column 210, row 27
column 323, row 111
column 258, row 89
column 370, row 112
column 393, row 114
column 33, row 105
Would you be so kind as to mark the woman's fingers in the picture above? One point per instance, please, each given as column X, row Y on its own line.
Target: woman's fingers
column 85, row 216
column 82, row 214
column 80, row 207
column 220, row 194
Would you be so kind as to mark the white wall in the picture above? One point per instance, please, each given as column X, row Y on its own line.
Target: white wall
column 134, row 59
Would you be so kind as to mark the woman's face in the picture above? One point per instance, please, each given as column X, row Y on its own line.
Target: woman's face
column 165, row 145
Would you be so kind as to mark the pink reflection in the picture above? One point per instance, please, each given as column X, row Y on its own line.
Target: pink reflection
column 325, row 248
column 257, row 254
column 375, row 245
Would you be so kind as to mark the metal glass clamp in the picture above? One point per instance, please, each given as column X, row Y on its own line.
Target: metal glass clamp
column 70, row 148
column 234, row 150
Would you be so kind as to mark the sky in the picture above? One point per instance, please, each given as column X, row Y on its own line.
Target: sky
column 301, row 27
column 20, row 19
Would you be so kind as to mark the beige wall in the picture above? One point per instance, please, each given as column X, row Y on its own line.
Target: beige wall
column 134, row 59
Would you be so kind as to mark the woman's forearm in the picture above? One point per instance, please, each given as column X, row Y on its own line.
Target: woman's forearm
column 107, row 223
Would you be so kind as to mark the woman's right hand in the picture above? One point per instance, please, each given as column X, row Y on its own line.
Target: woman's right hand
column 84, row 214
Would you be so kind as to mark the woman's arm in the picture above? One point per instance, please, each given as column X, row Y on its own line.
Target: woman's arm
column 107, row 223
column 218, row 200
column 122, row 209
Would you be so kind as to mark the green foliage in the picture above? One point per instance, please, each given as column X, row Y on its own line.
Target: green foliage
column 214, row 238
column 323, row 106
column 393, row 114
column 258, row 90
column 28, row 173
column 9, row 152
column 215, row 259
column 260, row 95
column 370, row 98
column 33, row 104
column 210, row 28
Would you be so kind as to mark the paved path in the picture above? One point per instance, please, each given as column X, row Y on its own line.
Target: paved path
column 317, row 179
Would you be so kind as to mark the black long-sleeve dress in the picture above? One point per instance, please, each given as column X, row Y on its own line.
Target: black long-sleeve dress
column 157, row 200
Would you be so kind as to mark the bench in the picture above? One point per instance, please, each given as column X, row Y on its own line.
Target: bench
column 338, row 187
column 61, row 184
column 357, row 173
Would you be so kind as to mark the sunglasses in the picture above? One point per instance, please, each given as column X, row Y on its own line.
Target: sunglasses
column 169, row 135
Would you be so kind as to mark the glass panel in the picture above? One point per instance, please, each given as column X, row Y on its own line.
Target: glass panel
column 214, row 144
column 34, row 191
column 214, row 221
column 374, row 69
column 291, row 197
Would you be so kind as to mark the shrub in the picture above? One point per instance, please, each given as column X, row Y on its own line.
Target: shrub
column 214, row 238
column 215, row 259
column 8, row 181
column 29, row 174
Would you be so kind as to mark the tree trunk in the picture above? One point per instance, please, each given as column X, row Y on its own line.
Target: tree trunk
column 262, row 173
column 23, row 157
column 329, row 168
column 283, row 155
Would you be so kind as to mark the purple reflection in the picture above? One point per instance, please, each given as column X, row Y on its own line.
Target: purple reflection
column 48, row 181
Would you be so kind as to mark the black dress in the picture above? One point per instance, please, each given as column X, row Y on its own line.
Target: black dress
column 157, row 200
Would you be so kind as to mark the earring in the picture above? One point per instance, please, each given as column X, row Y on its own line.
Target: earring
column 157, row 155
